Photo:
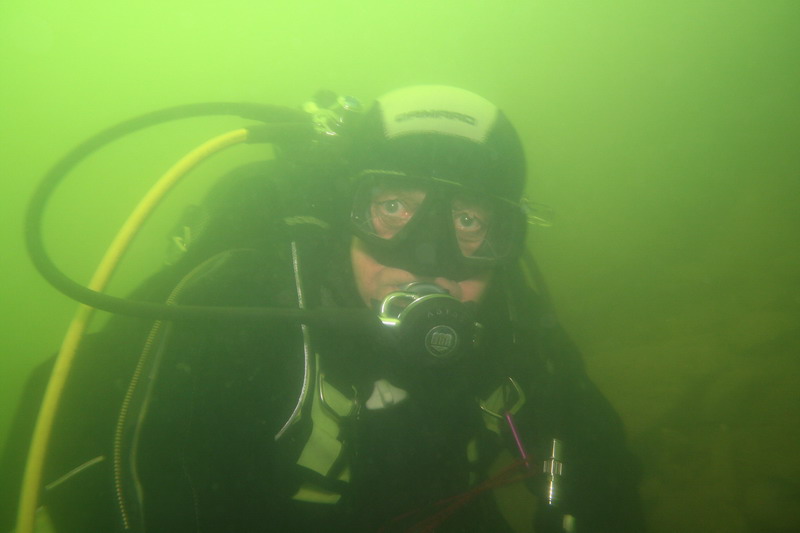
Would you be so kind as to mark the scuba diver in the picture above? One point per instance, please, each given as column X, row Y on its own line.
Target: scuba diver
column 411, row 213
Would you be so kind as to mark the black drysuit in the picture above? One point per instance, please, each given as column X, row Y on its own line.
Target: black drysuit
column 175, row 423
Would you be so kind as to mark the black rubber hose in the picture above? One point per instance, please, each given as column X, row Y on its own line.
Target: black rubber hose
column 281, row 124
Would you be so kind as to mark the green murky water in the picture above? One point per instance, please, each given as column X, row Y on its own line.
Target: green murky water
column 664, row 135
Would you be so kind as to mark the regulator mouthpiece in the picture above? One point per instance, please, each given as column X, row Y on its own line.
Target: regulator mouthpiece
column 429, row 327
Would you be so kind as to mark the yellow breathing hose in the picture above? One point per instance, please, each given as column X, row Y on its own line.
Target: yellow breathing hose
column 66, row 355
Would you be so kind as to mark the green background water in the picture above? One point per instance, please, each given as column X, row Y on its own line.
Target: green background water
column 664, row 134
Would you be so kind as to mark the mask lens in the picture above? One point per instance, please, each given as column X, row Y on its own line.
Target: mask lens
column 486, row 228
column 384, row 206
column 391, row 208
column 471, row 222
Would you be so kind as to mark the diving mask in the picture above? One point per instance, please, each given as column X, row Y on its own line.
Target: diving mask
column 434, row 227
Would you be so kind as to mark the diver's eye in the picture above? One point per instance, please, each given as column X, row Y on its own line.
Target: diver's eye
column 468, row 225
column 467, row 222
column 392, row 209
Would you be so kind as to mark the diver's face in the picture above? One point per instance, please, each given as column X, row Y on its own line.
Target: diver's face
column 375, row 280
column 391, row 207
